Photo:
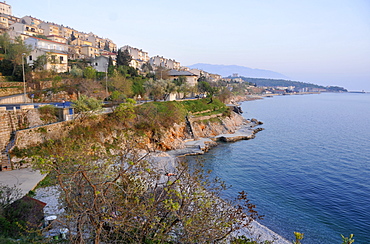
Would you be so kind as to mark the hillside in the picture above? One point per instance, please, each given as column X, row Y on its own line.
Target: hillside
column 287, row 83
column 227, row 70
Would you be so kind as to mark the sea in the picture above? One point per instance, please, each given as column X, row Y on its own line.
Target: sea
column 308, row 171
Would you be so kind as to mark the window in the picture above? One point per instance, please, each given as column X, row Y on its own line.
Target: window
column 53, row 59
column 30, row 57
column 61, row 59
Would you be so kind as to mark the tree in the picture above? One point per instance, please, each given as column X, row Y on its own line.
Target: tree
column 85, row 105
column 125, row 112
column 154, row 89
column 73, row 36
column 161, row 73
column 123, row 58
column 76, row 72
column 124, row 197
column 106, row 46
column 14, row 51
column 39, row 63
column 225, row 95
column 5, row 43
column 138, row 86
column 205, row 87
column 117, row 96
column 110, row 61
column 89, row 72
column 41, row 36
column 147, row 68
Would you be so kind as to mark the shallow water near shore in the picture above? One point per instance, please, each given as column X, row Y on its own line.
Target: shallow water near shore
column 309, row 170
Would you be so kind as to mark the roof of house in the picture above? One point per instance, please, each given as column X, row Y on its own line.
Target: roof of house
column 47, row 40
column 53, row 51
column 174, row 72
column 4, row 3
column 29, row 209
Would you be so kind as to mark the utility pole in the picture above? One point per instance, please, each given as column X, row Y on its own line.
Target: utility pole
column 24, row 79
column 106, row 78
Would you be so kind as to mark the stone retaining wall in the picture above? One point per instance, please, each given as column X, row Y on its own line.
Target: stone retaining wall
column 34, row 136
column 11, row 84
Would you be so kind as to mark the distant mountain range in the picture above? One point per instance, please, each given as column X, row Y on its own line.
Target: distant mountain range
column 229, row 70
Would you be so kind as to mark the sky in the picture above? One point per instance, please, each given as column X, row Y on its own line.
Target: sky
column 325, row 42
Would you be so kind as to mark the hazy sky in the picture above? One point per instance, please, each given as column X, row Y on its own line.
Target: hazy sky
column 325, row 42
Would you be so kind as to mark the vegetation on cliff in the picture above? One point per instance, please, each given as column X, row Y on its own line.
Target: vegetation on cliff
column 112, row 190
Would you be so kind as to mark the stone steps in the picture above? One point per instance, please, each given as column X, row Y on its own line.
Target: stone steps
column 4, row 162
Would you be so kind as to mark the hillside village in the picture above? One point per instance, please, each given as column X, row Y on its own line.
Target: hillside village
column 56, row 64
column 65, row 44
column 71, row 101
column 62, row 49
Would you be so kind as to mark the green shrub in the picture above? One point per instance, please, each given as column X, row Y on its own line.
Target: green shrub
column 48, row 114
column 89, row 73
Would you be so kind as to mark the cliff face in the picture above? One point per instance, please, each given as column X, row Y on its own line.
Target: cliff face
column 11, row 121
column 206, row 126
column 170, row 139
column 211, row 126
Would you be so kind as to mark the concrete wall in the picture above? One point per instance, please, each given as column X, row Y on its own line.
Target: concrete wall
column 11, row 121
column 11, row 84
column 34, row 136
column 14, row 99
column 10, row 88
column 8, row 124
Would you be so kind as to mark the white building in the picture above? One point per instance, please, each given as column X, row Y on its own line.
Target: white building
column 56, row 53
column 100, row 63
column 158, row 61
column 191, row 79
column 139, row 57
column 5, row 8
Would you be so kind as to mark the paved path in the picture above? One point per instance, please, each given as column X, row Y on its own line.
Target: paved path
column 24, row 179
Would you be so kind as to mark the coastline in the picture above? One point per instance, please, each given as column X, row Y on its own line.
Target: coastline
column 166, row 162
column 200, row 146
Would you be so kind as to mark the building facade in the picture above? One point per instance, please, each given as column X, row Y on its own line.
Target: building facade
column 56, row 53
column 5, row 8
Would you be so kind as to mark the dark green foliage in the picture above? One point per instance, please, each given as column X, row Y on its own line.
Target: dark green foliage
column 41, row 36
column 286, row 83
column 6, row 67
column 123, row 58
column 138, row 86
column 89, row 73
column 117, row 96
column 100, row 75
column 39, row 63
column 110, row 61
column 106, row 46
column 204, row 87
column 73, row 36
column 245, row 240
column 49, row 180
column 336, row 89
column 199, row 105
column 156, row 115
column 86, row 104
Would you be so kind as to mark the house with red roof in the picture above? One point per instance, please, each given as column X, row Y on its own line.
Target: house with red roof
column 56, row 53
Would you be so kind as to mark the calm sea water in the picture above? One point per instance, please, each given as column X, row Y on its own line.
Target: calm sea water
column 309, row 170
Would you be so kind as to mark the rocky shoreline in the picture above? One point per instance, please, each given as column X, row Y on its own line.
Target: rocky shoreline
column 199, row 146
column 165, row 162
